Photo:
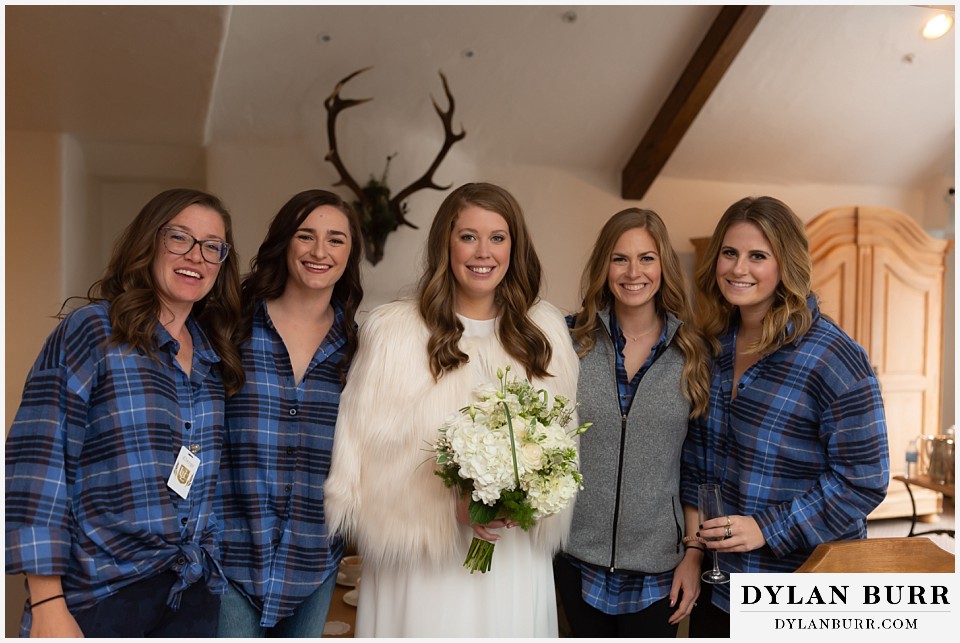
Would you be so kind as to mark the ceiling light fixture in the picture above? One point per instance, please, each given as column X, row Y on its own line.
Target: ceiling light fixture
column 937, row 26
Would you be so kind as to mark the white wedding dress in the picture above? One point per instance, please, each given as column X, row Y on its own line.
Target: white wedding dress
column 382, row 493
column 451, row 602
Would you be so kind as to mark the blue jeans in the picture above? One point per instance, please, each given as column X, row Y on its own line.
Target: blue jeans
column 240, row 619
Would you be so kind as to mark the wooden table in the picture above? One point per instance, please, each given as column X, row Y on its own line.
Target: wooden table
column 879, row 555
column 926, row 483
column 341, row 612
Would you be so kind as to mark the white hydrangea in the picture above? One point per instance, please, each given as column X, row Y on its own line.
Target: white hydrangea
column 475, row 445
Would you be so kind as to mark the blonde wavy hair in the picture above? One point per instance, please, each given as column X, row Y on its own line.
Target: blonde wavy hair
column 671, row 297
column 518, row 291
column 788, row 240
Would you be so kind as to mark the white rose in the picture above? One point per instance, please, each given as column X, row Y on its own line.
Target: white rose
column 531, row 455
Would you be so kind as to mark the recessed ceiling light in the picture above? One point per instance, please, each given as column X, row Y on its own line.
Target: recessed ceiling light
column 937, row 26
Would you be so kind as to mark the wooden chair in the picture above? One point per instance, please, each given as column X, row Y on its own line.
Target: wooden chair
column 915, row 555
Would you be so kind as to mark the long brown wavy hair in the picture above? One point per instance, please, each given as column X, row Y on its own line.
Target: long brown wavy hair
column 518, row 291
column 128, row 284
column 671, row 297
column 268, row 274
column 788, row 240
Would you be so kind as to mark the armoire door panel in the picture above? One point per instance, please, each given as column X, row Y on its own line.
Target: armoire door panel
column 835, row 283
column 906, row 331
column 906, row 312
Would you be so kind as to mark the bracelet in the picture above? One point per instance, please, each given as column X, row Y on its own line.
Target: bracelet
column 46, row 600
column 691, row 539
column 700, row 547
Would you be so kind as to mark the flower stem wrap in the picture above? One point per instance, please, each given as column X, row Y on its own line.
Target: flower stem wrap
column 480, row 556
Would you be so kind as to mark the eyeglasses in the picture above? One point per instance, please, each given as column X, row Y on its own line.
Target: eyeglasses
column 180, row 243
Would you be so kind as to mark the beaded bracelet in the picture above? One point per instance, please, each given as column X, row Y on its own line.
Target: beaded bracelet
column 46, row 600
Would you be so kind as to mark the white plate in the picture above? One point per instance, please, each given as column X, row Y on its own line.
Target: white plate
column 350, row 598
column 335, row 628
column 342, row 580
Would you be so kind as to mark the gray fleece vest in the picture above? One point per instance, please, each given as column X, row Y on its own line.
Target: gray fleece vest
column 628, row 516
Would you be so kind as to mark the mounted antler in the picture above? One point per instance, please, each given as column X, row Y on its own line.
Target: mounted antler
column 379, row 214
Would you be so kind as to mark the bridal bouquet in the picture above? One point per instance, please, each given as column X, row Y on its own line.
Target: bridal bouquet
column 512, row 453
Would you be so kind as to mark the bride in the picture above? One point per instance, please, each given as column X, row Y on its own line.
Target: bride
column 477, row 309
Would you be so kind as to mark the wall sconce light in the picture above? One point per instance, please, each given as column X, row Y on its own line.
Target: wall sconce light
column 938, row 26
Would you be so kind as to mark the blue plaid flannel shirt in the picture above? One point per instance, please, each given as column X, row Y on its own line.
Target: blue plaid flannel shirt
column 275, row 545
column 803, row 448
column 89, row 454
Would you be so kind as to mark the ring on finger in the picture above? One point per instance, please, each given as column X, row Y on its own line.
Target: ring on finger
column 727, row 532
column 728, row 521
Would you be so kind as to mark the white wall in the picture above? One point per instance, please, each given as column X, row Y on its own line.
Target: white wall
column 81, row 226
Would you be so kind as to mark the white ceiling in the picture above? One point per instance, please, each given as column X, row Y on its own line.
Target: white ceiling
column 819, row 94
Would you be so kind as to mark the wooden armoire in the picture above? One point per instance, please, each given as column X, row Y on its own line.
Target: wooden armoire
column 880, row 276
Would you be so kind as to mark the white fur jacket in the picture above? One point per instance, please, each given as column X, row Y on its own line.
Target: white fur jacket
column 382, row 492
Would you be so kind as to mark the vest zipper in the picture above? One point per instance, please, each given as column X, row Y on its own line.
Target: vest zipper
column 616, row 505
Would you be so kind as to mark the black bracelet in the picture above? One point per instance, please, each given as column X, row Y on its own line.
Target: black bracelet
column 46, row 600
column 700, row 547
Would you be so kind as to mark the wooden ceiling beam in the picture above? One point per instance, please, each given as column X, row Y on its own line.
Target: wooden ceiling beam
column 726, row 36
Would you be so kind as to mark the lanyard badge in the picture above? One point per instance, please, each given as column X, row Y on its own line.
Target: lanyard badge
column 184, row 471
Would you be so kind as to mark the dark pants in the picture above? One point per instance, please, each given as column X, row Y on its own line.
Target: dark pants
column 140, row 610
column 587, row 621
column 707, row 621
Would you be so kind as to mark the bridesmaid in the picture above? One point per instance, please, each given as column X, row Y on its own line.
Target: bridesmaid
column 796, row 434
column 112, row 458
column 297, row 338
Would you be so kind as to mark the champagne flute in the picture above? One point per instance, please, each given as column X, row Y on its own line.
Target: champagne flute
column 710, row 505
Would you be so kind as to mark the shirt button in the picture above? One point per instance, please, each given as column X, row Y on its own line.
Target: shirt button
column 740, row 386
column 187, row 425
column 290, row 450
column 183, row 521
column 293, row 411
column 288, row 488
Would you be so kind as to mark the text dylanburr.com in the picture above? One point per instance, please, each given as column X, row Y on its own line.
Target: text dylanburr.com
column 854, row 606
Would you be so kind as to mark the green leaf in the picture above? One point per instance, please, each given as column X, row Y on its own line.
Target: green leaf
column 517, row 508
column 481, row 514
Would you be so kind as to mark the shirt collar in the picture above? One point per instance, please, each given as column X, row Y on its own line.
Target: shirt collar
column 202, row 349
column 335, row 337
column 813, row 305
